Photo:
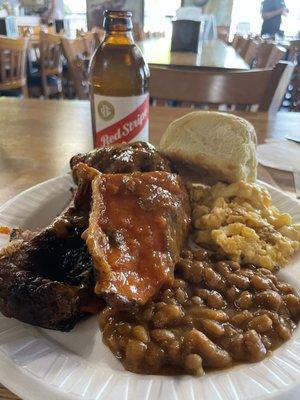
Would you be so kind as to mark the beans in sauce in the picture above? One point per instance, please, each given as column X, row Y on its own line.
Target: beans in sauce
column 216, row 313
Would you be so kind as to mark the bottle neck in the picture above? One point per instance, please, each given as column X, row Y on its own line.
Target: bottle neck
column 118, row 37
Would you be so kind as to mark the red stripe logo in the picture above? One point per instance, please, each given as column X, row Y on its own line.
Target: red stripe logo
column 125, row 129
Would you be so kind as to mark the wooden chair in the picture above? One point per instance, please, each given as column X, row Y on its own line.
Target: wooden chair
column 90, row 41
column 264, row 89
column 235, row 40
column 30, row 31
column 277, row 54
column 75, row 53
column 33, row 51
column 12, row 64
column 264, row 55
column 138, row 32
column 243, row 46
column 25, row 30
column 294, row 51
column 48, row 79
column 51, row 63
column 252, row 53
column 294, row 56
column 98, row 35
column 223, row 33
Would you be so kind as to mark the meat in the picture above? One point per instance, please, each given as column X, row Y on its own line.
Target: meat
column 46, row 278
column 123, row 158
column 39, row 287
column 137, row 227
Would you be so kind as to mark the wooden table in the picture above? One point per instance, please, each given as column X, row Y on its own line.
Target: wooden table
column 212, row 54
column 37, row 138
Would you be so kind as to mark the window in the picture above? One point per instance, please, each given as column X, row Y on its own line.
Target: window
column 75, row 6
column 291, row 23
column 246, row 17
column 158, row 14
column 75, row 16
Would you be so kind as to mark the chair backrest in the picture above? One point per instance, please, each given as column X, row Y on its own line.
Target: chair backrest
column 252, row 53
column 90, row 41
column 50, row 54
column 79, row 32
column 294, row 52
column 138, row 32
column 12, row 62
column 223, row 33
column 235, row 40
column 75, row 53
column 264, row 87
column 242, row 46
column 294, row 88
column 264, row 55
column 277, row 54
column 98, row 34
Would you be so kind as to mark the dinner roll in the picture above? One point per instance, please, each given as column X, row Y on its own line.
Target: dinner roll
column 221, row 144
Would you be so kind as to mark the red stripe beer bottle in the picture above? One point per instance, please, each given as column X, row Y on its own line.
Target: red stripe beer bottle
column 119, row 80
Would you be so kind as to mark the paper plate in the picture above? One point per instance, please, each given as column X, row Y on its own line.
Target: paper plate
column 283, row 155
column 41, row 364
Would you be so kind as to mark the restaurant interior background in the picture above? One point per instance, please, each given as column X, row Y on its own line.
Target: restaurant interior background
column 157, row 13
column 238, row 14
column 236, row 23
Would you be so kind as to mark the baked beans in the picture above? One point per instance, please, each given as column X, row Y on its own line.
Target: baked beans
column 216, row 313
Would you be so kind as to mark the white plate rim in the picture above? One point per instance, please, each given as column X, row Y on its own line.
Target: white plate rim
column 17, row 378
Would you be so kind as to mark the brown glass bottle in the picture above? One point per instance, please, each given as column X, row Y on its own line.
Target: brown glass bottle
column 119, row 80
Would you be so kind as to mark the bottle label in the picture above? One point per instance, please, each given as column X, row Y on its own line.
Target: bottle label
column 121, row 119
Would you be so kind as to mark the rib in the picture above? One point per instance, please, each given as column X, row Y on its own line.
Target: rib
column 123, row 158
column 46, row 277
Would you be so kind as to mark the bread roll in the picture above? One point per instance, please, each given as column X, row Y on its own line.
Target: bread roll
column 222, row 144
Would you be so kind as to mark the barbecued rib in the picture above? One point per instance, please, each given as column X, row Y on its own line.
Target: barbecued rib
column 123, row 158
column 46, row 278
column 137, row 228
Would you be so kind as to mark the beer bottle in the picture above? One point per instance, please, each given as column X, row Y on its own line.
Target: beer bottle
column 119, row 85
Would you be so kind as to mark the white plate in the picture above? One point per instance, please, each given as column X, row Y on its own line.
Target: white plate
column 41, row 364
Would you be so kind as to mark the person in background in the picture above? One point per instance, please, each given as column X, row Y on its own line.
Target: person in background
column 271, row 11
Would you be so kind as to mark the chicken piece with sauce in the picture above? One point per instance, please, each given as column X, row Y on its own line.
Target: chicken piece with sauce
column 138, row 225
